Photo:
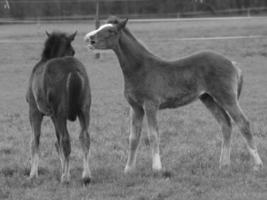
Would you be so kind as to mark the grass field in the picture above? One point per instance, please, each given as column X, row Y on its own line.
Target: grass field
column 190, row 137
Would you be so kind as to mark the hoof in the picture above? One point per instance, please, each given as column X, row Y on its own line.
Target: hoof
column 167, row 174
column 147, row 143
column 86, row 180
column 157, row 171
column 129, row 170
column 33, row 176
column 162, row 174
column 224, row 166
column 65, row 180
column 157, row 167
column 257, row 167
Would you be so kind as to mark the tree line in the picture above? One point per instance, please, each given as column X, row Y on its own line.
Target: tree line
column 155, row 8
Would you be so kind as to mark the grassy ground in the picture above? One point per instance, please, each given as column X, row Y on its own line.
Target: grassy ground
column 190, row 137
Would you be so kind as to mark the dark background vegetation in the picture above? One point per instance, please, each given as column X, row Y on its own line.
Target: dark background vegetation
column 22, row 9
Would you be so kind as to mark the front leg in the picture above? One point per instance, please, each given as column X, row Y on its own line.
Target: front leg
column 136, row 118
column 151, row 114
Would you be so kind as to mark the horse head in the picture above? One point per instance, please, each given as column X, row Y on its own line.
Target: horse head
column 107, row 35
column 58, row 45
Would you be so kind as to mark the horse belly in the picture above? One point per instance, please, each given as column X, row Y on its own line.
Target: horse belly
column 178, row 101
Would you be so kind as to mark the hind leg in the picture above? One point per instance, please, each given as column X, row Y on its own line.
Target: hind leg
column 244, row 125
column 35, row 121
column 226, row 127
column 84, row 118
column 57, row 143
column 63, row 147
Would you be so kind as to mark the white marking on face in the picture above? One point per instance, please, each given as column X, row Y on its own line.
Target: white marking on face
column 88, row 35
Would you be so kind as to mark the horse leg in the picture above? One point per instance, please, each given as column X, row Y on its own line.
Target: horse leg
column 244, row 125
column 57, row 143
column 84, row 118
column 226, row 127
column 136, row 118
column 151, row 114
column 35, row 121
column 64, row 147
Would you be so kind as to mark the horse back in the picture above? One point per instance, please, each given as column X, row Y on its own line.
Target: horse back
column 212, row 73
column 61, row 87
column 177, row 83
column 220, row 75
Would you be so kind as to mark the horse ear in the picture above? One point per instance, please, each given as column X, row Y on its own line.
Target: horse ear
column 48, row 34
column 122, row 23
column 72, row 36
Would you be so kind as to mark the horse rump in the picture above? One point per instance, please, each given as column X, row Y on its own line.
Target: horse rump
column 74, row 90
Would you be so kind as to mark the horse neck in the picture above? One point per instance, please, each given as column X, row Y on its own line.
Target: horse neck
column 49, row 53
column 46, row 55
column 43, row 60
column 130, row 52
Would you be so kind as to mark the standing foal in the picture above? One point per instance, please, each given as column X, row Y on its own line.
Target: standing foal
column 59, row 88
column 152, row 84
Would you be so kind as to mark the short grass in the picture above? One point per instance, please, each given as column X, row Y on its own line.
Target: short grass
column 190, row 137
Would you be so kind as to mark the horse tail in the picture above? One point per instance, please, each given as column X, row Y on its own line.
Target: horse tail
column 240, row 79
column 74, row 86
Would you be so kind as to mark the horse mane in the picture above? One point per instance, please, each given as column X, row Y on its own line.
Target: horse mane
column 52, row 44
column 116, row 20
column 130, row 36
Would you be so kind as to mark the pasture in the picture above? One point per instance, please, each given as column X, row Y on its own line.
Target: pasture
column 190, row 136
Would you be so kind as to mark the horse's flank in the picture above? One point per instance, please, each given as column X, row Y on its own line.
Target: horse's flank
column 172, row 83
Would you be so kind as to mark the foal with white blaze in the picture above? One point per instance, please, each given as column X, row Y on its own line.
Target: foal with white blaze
column 152, row 83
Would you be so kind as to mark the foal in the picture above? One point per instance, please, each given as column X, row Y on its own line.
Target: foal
column 59, row 88
column 152, row 84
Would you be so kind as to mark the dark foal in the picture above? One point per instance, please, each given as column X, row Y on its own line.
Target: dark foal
column 59, row 88
column 152, row 84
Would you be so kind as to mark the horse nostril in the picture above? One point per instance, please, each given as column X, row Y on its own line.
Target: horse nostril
column 87, row 38
column 92, row 37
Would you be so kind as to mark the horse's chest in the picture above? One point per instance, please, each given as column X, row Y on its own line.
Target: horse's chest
column 134, row 96
column 135, row 89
